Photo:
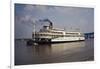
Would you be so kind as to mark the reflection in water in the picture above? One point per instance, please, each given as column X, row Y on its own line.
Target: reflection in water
column 69, row 47
column 41, row 51
column 52, row 53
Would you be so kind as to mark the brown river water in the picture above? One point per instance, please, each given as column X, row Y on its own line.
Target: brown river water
column 53, row 53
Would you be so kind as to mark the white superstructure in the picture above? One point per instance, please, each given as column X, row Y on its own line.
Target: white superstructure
column 49, row 34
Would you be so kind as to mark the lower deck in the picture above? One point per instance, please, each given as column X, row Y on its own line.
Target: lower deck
column 56, row 40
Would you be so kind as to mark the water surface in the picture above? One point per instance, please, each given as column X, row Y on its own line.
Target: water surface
column 53, row 53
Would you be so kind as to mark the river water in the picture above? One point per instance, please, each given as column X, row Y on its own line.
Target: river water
column 53, row 53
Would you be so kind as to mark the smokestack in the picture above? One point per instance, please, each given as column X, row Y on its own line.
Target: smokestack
column 50, row 23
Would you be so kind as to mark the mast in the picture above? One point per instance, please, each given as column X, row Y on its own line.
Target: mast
column 34, row 41
column 34, row 31
column 33, row 23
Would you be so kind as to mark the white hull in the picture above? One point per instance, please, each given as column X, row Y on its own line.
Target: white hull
column 65, row 39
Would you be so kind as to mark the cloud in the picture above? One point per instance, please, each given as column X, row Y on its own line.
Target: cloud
column 34, row 9
column 74, row 17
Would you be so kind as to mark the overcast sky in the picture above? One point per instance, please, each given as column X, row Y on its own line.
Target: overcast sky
column 69, row 18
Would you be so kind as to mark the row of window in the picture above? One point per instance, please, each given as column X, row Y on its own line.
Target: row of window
column 57, row 35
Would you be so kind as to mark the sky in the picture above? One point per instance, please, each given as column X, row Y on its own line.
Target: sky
column 64, row 17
